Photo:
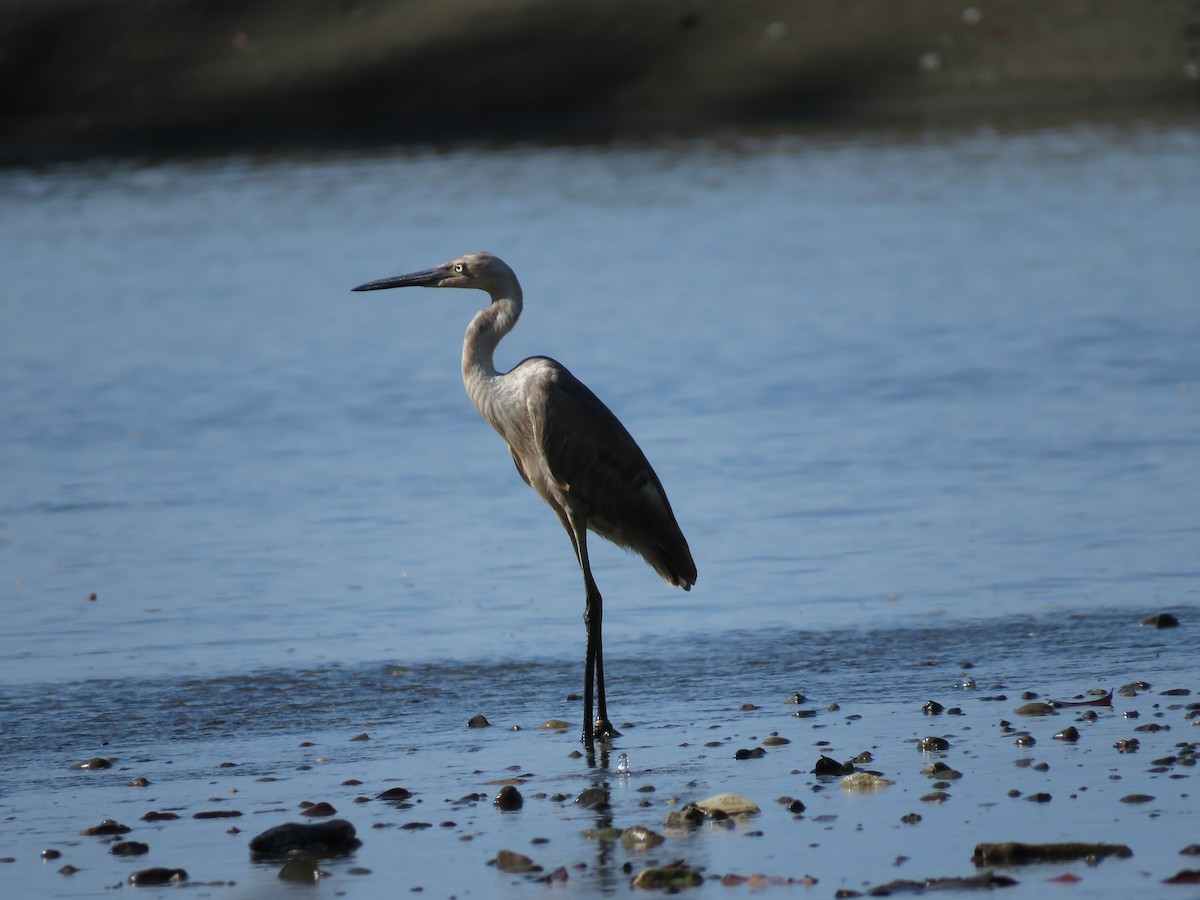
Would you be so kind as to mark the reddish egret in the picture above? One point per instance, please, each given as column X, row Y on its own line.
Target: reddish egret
column 568, row 447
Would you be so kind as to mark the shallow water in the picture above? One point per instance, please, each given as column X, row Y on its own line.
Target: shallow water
column 682, row 720
column 913, row 396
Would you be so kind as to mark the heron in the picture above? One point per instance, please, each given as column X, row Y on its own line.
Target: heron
column 568, row 447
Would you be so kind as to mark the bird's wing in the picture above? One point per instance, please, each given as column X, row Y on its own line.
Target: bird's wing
column 601, row 470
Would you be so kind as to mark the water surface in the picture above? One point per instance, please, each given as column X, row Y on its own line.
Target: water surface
column 903, row 389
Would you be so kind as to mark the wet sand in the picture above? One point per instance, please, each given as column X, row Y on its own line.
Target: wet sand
column 234, row 756
column 140, row 76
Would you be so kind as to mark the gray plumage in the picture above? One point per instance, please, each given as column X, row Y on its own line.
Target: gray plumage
column 567, row 446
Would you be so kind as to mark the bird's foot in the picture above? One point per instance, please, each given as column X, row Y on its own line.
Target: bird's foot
column 603, row 729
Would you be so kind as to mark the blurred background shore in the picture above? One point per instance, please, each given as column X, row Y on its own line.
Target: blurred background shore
column 87, row 77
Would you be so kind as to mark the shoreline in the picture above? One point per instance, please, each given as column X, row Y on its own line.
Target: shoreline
column 108, row 78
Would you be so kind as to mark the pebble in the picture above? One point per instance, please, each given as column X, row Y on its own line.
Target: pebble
column 106, row 827
column 508, row 799
column 158, row 875
column 96, row 762
column 333, row 838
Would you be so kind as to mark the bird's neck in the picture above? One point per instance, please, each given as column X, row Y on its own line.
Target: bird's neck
column 479, row 346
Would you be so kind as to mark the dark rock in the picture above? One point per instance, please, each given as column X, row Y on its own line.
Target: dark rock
column 139, row 782
column 1127, row 745
column 1013, row 853
column 639, row 837
column 508, row 798
column 217, row 814
column 96, row 762
column 158, row 875
column 106, row 827
column 932, row 744
column 669, row 878
column 301, row 870
column 1162, row 620
column 590, row 797
column 478, row 721
column 333, row 838
column 828, row 766
column 754, row 753
column 320, row 809
column 1036, row 708
column 511, row 861
column 51, row 853
column 1070, row 733
column 154, row 816
column 394, row 795
column 1184, row 876
column 932, row 708
column 129, row 848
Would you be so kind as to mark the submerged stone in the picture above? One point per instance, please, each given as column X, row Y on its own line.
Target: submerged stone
column 158, row 875
column 668, row 878
column 333, row 838
column 1013, row 853
column 728, row 803
column 301, row 870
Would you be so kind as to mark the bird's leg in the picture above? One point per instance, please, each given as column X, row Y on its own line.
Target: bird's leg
column 593, row 621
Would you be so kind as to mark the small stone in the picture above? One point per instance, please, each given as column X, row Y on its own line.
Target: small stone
column 1127, row 745
column 301, row 870
column 361, row 736
column 729, row 804
column 754, row 753
column 318, row 810
column 864, row 782
column 508, row 799
column 1137, row 798
column 158, row 875
column 106, row 827
column 932, row 744
column 129, row 848
column 154, row 816
column 51, row 853
column 667, row 878
column 932, row 708
column 96, row 762
column 828, row 766
column 139, row 782
column 910, row 818
column 555, row 725
column 519, row 863
column 1161, row 620
column 478, row 721
column 592, row 797
column 1025, row 740
column 394, row 795
column 639, row 837
column 335, row 837
column 1037, row 708
column 1070, row 733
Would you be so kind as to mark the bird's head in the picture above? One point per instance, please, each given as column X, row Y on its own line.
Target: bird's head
column 479, row 270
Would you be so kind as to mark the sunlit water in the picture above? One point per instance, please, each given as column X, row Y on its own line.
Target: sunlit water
column 901, row 389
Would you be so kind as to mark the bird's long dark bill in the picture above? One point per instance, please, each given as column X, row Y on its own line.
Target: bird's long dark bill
column 425, row 278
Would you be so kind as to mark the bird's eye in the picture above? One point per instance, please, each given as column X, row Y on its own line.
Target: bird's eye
column 458, row 268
